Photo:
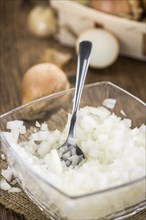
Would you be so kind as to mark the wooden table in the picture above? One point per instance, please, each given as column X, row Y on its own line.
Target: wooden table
column 21, row 50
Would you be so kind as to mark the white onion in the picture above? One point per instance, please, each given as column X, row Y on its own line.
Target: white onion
column 43, row 149
column 14, row 124
column 109, row 103
column 44, row 127
column 4, row 185
column 30, row 147
column 16, row 128
column 39, row 136
column 9, row 137
column 14, row 190
column 23, row 130
column 56, row 161
column 123, row 113
column 3, row 157
column 105, row 46
column 37, row 124
column 114, row 152
column 127, row 122
column 7, row 173
column 13, row 182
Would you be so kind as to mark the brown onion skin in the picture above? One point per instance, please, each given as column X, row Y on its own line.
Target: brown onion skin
column 41, row 80
column 111, row 6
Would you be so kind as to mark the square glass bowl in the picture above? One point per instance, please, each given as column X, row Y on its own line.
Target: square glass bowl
column 113, row 203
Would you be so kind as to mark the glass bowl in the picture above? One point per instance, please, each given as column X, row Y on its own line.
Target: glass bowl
column 113, row 203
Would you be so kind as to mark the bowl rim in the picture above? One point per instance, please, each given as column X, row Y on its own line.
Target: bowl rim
column 42, row 178
column 106, row 83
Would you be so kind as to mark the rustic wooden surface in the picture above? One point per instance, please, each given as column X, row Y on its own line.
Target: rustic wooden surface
column 20, row 50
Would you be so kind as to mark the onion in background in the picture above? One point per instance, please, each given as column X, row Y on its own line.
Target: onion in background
column 42, row 21
column 111, row 6
column 105, row 47
column 42, row 80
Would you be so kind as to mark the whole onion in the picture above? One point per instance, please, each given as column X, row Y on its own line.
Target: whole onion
column 42, row 21
column 105, row 47
column 41, row 80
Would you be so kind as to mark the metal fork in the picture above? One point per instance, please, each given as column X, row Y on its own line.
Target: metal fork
column 69, row 152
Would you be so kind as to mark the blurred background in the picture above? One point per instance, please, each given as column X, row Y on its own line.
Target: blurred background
column 39, row 31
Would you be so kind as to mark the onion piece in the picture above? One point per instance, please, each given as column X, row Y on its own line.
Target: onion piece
column 14, row 190
column 37, row 124
column 9, row 137
column 7, row 174
column 13, row 182
column 56, row 162
column 123, row 113
column 15, row 134
column 23, row 130
column 4, row 185
column 15, row 124
column 127, row 122
column 44, row 127
column 109, row 103
column 3, row 157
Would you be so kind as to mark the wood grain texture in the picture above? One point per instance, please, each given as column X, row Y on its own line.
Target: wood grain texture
column 20, row 50
column 7, row 214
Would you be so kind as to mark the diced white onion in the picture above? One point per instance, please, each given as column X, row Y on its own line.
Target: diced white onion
column 43, row 149
column 56, row 161
column 44, row 127
column 4, row 185
column 123, row 113
column 9, row 137
column 109, row 103
column 7, row 173
column 37, row 124
column 16, row 124
column 114, row 152
column 13, row 182
column 14, row 190
column 3, row 157
column 127, row 122
column 23, row 130
column 15, row 134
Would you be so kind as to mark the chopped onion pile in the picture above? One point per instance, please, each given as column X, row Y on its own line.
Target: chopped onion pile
column 114, row 152
column 7, row 174
column 6, row 181
column 69, row 156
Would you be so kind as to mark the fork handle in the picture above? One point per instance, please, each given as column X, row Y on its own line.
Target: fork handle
column 82, row 67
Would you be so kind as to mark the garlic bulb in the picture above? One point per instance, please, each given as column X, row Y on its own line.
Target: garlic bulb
column 42, row 21
column 105, row 47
